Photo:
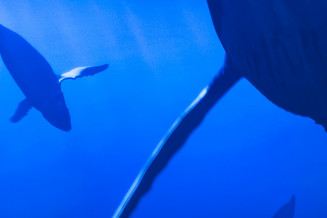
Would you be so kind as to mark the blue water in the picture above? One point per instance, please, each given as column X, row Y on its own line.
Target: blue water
column 246, row 160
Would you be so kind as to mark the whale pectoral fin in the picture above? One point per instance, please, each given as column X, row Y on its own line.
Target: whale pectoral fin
column 177, row 135
column 21, row 111
column 82, row 71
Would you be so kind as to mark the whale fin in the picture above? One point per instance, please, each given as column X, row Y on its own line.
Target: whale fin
column 176, row 136
column 21, row 111
column 287, row 211
column 82, row 71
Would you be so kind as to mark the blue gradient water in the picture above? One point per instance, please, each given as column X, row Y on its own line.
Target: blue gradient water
column 246, row 160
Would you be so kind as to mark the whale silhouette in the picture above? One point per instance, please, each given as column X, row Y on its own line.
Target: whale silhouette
column 279, row 46
column 38, row 82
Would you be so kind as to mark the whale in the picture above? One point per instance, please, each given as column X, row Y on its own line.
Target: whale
column 279, row 46
column 37, row 80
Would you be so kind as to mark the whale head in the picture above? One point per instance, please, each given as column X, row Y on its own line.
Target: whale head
column 56, row 112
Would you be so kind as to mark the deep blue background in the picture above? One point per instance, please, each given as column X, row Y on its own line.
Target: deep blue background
column 246, row 160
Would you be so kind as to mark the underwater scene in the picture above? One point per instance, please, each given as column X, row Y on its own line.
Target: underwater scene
column 125, row 140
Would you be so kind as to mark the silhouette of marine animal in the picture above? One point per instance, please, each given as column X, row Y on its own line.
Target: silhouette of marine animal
column 279, row 46
column 287, row 211
column 35, row 77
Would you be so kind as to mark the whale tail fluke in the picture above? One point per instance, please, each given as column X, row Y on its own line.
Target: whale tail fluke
column 21, row 111
column 82, row 71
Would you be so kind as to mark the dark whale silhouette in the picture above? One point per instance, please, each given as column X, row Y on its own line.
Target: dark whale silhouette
column 279, row 46
column 35, row 77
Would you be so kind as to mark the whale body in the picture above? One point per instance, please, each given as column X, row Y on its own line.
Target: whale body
column 280, row 47
column 36, row 79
